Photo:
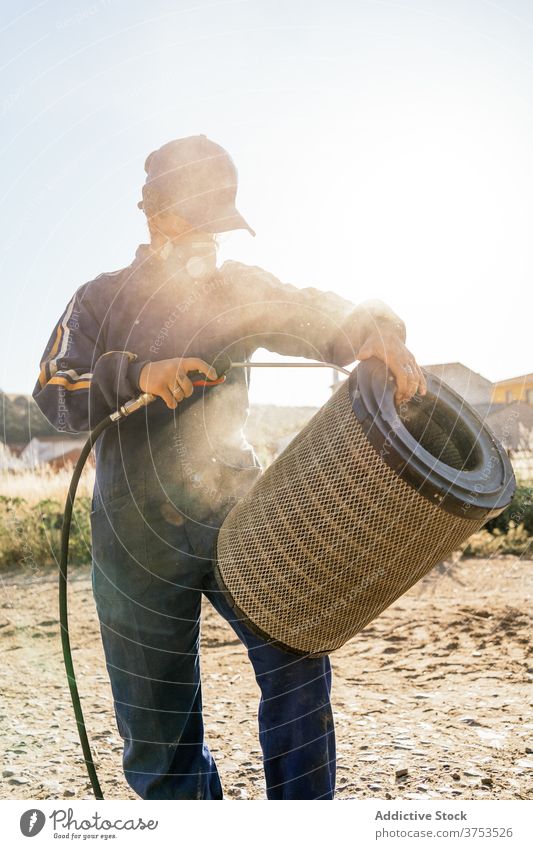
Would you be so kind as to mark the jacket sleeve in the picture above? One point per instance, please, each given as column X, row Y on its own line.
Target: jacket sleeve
column 79, row 383
column 306, row 322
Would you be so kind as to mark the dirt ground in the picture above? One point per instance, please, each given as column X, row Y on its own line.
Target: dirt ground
column 439, row 685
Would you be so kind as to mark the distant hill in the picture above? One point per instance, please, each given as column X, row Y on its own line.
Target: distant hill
column 21, row 419
column 269, row 428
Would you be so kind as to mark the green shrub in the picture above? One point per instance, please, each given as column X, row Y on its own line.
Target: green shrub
column 519, row 512
column 30, row 534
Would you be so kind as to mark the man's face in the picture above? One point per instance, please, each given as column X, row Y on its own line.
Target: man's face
column 198, row 248
column 180, row 231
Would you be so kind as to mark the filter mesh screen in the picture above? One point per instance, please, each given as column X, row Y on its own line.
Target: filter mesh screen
column 330, row 536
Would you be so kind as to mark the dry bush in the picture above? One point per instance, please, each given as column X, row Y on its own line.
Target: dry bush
column 31, row 514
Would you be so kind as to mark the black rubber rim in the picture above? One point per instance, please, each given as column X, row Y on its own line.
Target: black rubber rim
column 481, row 491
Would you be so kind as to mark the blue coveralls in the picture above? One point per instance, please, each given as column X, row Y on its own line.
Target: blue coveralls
column 165, row 480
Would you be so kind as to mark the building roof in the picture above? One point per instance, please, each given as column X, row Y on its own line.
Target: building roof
column 442, row 366
column 43, row 449
column 521, row 378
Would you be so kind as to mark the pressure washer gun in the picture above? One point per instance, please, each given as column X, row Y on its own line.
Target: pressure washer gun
column 196, row 378
column 222, row 364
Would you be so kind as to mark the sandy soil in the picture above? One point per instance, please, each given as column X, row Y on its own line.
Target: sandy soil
column 439, row 685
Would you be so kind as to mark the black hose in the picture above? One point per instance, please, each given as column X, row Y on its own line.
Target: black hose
column 63, row 609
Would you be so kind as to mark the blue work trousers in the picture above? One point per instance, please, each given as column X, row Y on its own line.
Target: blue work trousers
column 149, row 575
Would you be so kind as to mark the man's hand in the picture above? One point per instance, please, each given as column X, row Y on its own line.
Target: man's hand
column 389, row 348
column 168, row 378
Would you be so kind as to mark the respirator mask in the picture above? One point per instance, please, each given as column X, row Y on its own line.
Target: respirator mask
column 195, row 259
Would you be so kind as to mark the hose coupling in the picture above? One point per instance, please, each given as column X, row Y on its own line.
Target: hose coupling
column 131, row 406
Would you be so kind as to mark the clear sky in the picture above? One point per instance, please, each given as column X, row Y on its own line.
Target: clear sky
column 385, row 149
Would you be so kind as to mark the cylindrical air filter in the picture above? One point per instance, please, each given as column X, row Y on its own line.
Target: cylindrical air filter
column 359, row 506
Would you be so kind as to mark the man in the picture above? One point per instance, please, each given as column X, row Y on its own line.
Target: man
column 167, row 476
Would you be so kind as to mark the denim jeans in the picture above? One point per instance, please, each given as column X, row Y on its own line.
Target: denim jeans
column 149, row 575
